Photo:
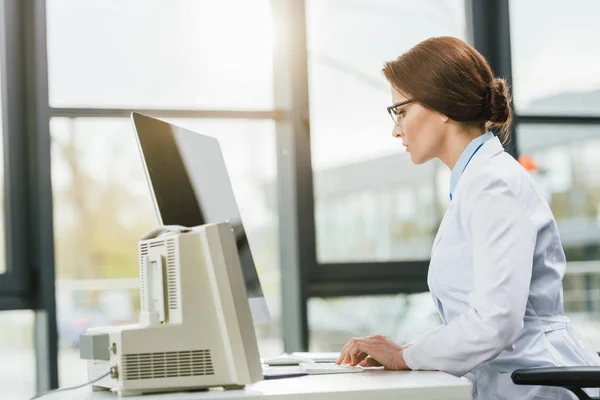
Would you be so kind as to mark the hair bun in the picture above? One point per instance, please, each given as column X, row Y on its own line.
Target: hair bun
column 498, row 101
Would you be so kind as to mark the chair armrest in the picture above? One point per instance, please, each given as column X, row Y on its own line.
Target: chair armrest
column 573, row 377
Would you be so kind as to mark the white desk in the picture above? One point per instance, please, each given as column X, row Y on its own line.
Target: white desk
column 368, row 385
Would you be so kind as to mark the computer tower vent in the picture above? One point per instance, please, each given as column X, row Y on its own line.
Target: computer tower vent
column 171, row 275
column 166, row 364
column 143, row 253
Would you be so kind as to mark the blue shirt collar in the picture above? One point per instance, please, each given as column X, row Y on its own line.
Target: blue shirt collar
column 465, row 157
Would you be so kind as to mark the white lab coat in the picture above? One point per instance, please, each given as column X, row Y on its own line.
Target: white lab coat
column 495, row 275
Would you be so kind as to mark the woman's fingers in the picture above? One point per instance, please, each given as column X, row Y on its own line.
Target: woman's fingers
column 370, row 362
column 351, row 351
column 357, row 357
column 344, row 352
column 356, row 350
column 354, row 357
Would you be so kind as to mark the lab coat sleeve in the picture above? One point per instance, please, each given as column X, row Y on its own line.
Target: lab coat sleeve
column 503, row 242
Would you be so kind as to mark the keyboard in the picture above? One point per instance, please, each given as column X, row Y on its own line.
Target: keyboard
column 328, row 368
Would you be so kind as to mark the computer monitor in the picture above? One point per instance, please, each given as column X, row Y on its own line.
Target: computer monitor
column 190, row 186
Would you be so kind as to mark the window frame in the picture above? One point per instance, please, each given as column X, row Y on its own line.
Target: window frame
column 29, row 281
column 15, row 287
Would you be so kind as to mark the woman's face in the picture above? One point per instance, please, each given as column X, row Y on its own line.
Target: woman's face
column 421, row 129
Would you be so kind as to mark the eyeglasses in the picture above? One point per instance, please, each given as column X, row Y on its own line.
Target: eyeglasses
column 394, row 112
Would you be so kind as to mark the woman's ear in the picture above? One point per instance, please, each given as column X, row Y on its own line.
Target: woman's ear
column 444, row 118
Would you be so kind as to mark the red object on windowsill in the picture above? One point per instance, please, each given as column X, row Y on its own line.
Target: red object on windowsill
column 527, row 162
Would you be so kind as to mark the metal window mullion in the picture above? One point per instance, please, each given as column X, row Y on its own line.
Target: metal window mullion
column 489, row 27
column 558, row 119
column 17, row 279
column 41, row 234
column 28, row 195
column 369, row 278
column 366, row 288
column 294, row 178
column 165, row 113
column 15, row 303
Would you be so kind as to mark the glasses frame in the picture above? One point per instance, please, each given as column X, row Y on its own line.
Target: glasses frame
column 392, row 109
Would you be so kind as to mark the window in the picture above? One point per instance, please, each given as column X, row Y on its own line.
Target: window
column 565, row 164
column 334, row 321
column 566, row 161
column 382, row 209
column 555, row 70
column 139, row 53
column 371, row 203
column 17, row 369
column 102, row 205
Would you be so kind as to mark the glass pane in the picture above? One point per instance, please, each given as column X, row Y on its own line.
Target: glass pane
column 17, row 369
column 139, row 53
column 563, row 161
column 333, row 321
column 370, row 202
column 102, row 205
column 555, row 70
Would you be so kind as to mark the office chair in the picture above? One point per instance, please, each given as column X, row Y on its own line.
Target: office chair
column 571, row 378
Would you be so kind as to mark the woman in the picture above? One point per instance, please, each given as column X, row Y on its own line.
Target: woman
column 497, row 262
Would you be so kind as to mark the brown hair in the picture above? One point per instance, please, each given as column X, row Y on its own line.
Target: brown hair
column 447, row 75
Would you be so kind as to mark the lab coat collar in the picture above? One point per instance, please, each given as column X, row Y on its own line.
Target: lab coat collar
column 465, row 158
column 489, row 149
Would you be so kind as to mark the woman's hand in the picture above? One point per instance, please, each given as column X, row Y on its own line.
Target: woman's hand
column 373, row 350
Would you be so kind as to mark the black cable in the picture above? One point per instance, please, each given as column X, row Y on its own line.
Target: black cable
column 69, row 388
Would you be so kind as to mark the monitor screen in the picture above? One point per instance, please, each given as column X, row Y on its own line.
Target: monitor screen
column 190, row 186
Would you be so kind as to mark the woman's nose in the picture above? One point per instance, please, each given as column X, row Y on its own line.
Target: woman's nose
column 396, row 132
